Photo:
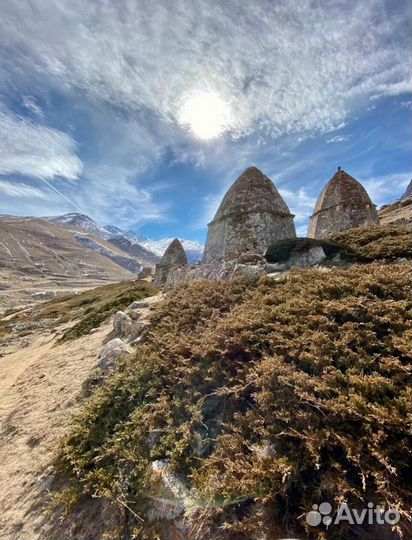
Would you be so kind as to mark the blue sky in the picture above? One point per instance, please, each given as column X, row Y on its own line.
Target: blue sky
column 142, row 113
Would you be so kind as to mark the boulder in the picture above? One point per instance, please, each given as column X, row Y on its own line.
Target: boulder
column 275, row 267
column 307, row 257
column 111, row 352
column 134, row 314
column 122, row 324
column 137, row 331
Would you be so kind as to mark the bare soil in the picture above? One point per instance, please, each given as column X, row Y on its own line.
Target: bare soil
column 40, row 387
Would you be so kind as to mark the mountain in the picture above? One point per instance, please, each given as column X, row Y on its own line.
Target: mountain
column 408, row 192
column 125, row 241
column 82, row 221
column 400, row 211
column 194, row 250
column 146, row 250
column 39, row 258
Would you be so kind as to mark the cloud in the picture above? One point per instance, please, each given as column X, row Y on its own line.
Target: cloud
column 20, row 190
column 31, row 105
column 113, row 197
column 338, row 139
column 35, row 150
column 301, row 204
column 286, row 67
column 387, row 188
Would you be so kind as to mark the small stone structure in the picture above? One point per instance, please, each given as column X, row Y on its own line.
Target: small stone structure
column 174, row 257
column 251, row 216
column 343, row 204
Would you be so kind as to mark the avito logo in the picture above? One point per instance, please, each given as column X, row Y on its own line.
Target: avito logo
column 321, row 514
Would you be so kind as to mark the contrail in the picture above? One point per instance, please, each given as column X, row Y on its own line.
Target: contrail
column 61, row 194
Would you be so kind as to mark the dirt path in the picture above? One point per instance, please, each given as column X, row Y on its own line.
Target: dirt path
column 40, row 387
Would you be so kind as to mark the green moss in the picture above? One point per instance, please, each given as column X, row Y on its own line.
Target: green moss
column 267, row 396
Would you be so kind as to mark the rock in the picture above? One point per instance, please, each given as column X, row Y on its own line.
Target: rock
column 111, row 352
column 134, row 314
column 122, row 324
column 248, row 270
column 275, row 267
column 307, row 257
column 145, row 272
column 137, row 304
column 137, row 331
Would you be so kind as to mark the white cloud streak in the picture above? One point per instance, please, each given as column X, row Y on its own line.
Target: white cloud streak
column 21, row 190
column 34, row 150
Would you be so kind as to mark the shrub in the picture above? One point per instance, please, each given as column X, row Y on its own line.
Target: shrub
column 267, row 396
column 378, row 241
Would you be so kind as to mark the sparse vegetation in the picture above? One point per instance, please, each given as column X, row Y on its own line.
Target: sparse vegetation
column 97, row 311
column 89, row 308
column 361, row 245
column 378, row 241
column 267, row 396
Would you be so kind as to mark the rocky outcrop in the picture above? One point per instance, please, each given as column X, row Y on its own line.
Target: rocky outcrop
column 129, row 327
column 252, row 215
column 343, row 204
column 174, row 257
column 111, row 352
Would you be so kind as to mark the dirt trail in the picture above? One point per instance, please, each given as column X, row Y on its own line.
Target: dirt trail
column 40, row 387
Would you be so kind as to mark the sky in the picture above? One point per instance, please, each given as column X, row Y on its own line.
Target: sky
column 141, row 113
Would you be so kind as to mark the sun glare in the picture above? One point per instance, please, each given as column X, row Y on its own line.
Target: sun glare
column 206, row 114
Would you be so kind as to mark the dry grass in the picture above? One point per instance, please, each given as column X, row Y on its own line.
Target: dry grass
column 266, row 396
column 378, row 241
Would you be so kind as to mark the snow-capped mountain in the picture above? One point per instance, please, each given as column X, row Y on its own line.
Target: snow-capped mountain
column 83, row 222
column 146, row 250
column 194, row 250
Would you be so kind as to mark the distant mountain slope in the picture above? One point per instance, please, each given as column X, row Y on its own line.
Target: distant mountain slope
column 400, row 211
column 33, row 247
column 120, row 239
column 147, row 251
column 82, row 221
column 133, row 248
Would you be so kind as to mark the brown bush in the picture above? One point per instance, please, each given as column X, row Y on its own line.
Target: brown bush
column 267, row 397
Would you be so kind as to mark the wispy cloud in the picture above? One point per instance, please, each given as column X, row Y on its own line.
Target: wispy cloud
column 386, row 188
column 338, row 139
column 287, row 67
column 21, row 190
column 34, row 150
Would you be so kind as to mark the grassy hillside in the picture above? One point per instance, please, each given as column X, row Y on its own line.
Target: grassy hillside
column 266, row 396
column 89, row 309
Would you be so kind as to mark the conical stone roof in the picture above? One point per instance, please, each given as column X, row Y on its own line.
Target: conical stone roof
column 251, row 192
column 174, row 255
column 251, row 216
column 343, row 204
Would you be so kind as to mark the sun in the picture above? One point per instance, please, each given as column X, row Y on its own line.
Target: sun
column 206, row 114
